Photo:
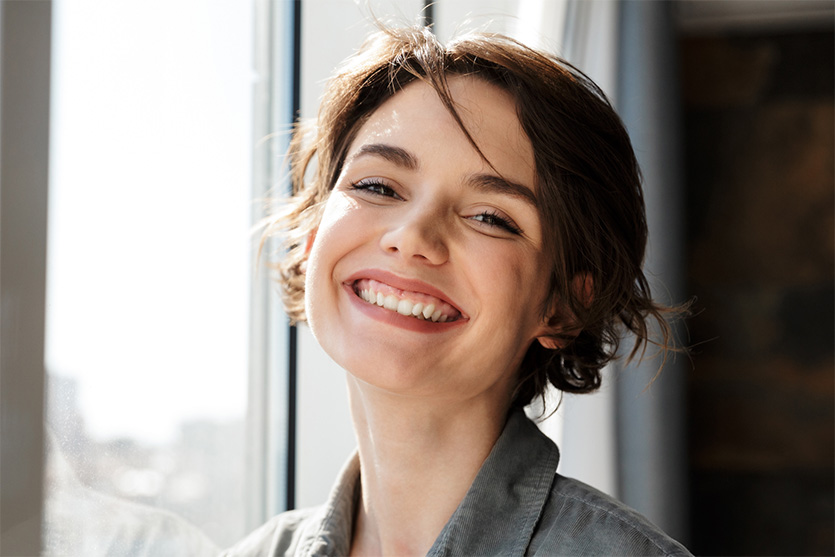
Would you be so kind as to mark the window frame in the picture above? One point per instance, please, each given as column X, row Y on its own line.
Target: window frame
column 25, row 42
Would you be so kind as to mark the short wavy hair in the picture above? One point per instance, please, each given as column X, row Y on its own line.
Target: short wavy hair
column 588, row 188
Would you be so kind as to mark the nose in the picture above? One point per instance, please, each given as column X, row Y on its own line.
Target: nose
column 417, row 234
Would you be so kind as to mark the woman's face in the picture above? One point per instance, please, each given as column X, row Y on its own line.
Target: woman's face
column 425, row 277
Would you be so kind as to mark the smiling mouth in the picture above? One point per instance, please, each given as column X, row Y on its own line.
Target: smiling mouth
column 411, row 304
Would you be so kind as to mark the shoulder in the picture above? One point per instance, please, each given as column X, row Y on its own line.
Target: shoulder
column 580, row 520
column 323, row 530
column 281, row 535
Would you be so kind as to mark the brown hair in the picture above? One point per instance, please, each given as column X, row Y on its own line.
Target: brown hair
column 588, row 187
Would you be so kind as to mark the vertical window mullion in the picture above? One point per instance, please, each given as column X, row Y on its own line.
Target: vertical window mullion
column 272, row 392
column 295, row 109
column 258, row 399
column 429, row 13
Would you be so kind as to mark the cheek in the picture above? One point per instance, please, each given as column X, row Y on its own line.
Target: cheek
column 336, row 236
column 341, row 216
column 333, row 231
column 507, row 271
column 516, row 283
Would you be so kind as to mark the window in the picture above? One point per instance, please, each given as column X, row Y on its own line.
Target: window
column 148, row 276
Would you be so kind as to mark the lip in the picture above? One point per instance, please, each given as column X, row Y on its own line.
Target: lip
column 401, row 283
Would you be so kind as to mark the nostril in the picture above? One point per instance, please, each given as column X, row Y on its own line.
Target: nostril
column 419, row 241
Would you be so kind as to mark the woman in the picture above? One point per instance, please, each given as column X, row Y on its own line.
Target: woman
column 467, row 227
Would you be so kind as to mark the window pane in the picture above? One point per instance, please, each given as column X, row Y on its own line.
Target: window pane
column 148, row 276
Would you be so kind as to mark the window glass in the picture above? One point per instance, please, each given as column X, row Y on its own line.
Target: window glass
column 149, row 262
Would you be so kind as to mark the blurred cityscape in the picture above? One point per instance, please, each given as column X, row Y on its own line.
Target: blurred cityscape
column 199, row 477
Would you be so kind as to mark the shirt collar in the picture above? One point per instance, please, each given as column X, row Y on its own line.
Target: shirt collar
column 336, row 522
column 498, row 514
column 500, row 511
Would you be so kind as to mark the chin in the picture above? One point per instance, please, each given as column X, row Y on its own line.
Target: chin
column 392, row 371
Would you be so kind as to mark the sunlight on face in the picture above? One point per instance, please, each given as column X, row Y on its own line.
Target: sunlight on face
column 425, row 277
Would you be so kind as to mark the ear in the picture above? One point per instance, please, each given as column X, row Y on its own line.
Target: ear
column 561, row 326
column 310, row 238
column 559, row 330
column 307, row 247
column 551, row 343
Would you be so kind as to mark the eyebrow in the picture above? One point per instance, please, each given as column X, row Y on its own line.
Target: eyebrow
column 395, row 155
column 482, row 182
column 495, row 184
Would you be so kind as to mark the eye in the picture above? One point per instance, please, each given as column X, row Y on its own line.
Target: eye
column 376, row 187
column 494, row 219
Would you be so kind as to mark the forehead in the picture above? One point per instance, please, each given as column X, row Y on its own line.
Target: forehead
column 416, row 119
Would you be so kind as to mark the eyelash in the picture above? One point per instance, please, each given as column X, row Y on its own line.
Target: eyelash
column 495, row 219
column 374, row 187
column 490, row 218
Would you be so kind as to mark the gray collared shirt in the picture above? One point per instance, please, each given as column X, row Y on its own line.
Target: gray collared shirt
column 517, row 505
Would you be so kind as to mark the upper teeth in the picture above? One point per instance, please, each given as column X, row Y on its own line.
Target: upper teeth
column 403, row 306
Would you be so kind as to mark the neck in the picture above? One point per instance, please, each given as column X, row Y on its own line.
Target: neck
column 417, row 460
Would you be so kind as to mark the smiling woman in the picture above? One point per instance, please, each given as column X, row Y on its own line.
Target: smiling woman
column 472, row 230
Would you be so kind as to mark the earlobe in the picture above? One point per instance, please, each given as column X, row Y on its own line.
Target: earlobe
column 563, row 322
column 553, row 331
column 550, row 343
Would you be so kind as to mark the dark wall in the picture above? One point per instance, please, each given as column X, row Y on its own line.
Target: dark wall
column 760, row 160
